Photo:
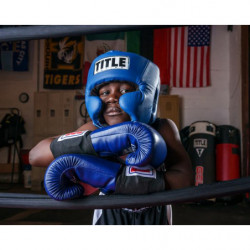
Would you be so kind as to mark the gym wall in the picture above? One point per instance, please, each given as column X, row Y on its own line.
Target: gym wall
column 220, row 103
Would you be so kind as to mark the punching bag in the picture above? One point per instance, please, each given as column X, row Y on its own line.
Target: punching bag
column 201, row 149
column 227, row 156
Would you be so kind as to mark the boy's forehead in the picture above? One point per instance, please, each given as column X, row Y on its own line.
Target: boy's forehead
column 117, row 82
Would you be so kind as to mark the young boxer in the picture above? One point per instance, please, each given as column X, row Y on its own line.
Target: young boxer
column 124, row 149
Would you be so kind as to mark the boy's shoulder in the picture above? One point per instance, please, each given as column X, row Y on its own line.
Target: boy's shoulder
column 87, row 126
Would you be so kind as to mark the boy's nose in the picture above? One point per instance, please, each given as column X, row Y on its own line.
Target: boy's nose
column 114, row 96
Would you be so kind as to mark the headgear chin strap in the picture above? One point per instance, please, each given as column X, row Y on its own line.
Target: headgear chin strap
column 140, row 105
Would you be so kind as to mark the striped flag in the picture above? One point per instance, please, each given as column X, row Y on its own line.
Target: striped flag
column 183, row 55
column 97, row 44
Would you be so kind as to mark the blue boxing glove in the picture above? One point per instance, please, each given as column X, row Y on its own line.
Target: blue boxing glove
column 65, row 175
column 142, row 144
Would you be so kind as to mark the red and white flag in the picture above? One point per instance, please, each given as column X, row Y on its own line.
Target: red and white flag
column 183, row 55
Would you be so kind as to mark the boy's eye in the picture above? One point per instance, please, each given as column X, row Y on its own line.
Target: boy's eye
column 105, row 92
column 123, row 91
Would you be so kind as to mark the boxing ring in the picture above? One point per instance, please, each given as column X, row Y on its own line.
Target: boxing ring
column 35, row 201
column 206, row 191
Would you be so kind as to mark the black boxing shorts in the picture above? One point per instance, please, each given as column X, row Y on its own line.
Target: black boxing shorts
column 157, row 215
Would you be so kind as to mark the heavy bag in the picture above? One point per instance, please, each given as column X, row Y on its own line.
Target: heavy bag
column 227, row 156
column 201, row 149
column 227, row 153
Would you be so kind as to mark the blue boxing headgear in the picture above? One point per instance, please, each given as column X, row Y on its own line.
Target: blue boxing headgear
column 140, row 105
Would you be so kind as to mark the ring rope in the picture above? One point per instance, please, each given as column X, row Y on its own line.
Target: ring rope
column 205, row 191
column 45, row 31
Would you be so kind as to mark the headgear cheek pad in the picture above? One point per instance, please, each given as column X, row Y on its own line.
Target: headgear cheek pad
column 140, row 105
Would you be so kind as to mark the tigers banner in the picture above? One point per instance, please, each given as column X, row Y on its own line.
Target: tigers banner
column 63, row 63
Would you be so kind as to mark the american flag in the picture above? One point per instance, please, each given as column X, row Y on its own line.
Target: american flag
column 183, row 55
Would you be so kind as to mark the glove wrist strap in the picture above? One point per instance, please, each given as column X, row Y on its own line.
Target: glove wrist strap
column 73, row 143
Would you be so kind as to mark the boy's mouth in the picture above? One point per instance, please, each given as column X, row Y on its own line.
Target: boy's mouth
column 112, row 111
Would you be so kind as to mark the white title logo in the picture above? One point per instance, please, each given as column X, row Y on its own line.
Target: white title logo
column 113, row 62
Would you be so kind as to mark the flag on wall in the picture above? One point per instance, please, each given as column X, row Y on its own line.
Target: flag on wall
column 14, row 56
column 97, row 44
column 63, row 63
column 183, row 55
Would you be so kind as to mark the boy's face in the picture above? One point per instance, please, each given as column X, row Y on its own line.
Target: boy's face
column 110, row 94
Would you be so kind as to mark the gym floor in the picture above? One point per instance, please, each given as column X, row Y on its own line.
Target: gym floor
column 205, row 213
